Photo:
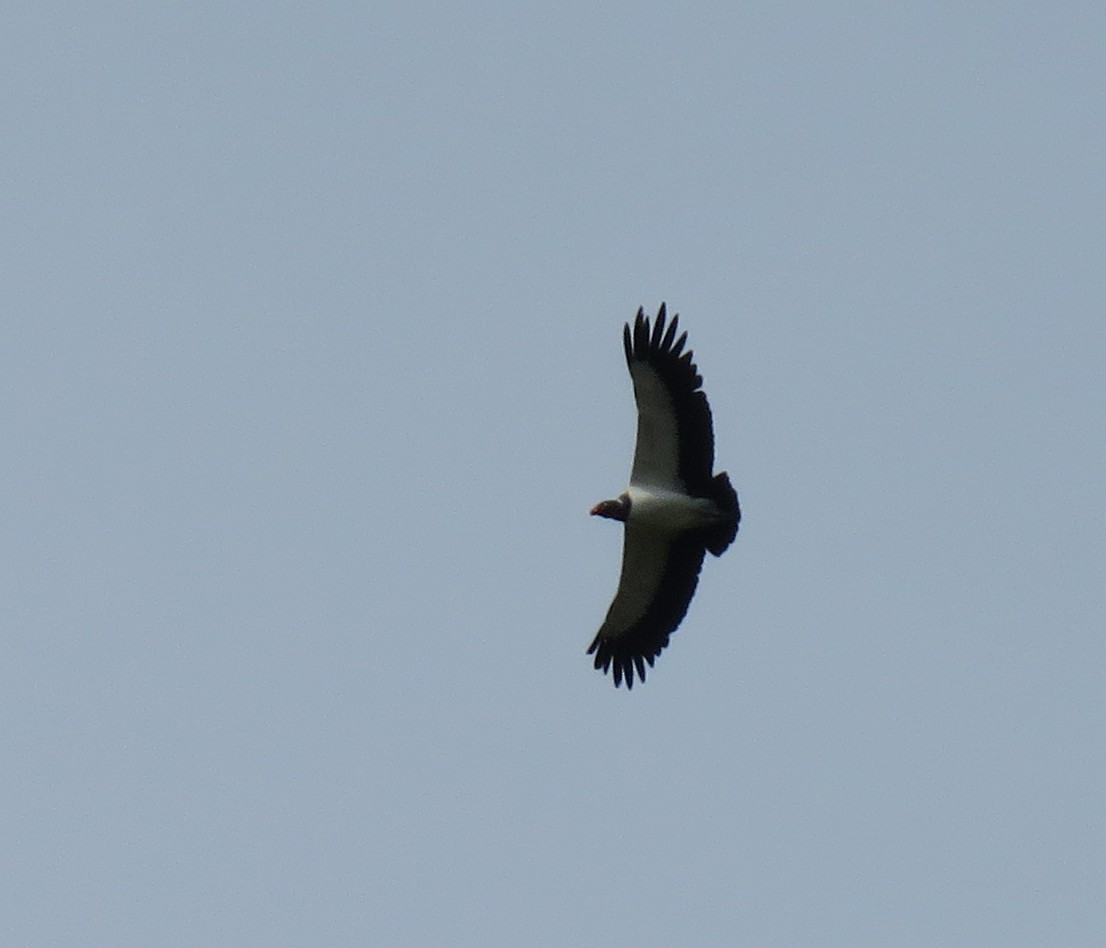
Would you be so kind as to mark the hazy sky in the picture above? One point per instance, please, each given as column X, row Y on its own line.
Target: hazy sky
column 312, row 369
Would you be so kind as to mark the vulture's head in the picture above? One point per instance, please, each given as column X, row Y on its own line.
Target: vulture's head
column 618, row 509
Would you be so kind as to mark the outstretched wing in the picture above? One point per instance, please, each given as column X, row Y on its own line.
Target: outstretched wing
column 675, row 438
column 659, row 575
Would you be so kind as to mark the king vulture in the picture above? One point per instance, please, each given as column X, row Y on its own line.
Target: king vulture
column 674, row 509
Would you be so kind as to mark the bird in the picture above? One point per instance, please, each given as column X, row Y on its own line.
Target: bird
column 674, row 510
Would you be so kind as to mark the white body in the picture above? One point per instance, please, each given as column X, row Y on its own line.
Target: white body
column 669, row 511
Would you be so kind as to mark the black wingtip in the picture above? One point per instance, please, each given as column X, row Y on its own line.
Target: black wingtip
column 666, row 342
column 651, row 337
column 618, row 663
column 625, row 661
column 658, row 329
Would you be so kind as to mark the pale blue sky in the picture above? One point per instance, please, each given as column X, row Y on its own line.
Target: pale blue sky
column 311, row 372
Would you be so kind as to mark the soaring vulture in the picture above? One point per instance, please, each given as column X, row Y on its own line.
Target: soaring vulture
column 674, row 510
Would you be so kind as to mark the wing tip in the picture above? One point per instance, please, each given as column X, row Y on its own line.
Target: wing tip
column 621, row 663
column 654, row 339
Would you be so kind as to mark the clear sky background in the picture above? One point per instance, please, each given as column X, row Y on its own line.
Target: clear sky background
column 311, row 370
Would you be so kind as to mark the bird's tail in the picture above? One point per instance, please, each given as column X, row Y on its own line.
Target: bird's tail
column 725, row 497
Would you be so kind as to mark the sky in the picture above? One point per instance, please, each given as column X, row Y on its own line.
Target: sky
column 311, row 371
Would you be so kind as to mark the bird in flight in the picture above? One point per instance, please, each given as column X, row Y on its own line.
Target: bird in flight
column 674, row 509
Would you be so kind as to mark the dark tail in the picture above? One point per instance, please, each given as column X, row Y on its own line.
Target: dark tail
column 723, row 494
